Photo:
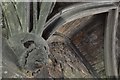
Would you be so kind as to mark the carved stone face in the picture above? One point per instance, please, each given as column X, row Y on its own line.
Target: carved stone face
column 31, row 50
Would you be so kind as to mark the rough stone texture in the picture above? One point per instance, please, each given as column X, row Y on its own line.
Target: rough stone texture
column 89, row 41
column 63, row 63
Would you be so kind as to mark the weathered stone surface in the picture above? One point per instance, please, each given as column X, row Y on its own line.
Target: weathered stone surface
column 63, row 63
column 31, row 50
column 10, row 67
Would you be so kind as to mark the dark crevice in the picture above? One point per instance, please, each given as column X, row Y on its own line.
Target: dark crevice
column 27, row 55
column 45, row 47
column 31, row 17
column 38, row 10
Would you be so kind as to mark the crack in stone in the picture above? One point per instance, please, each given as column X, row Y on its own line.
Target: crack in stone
column 27, row 55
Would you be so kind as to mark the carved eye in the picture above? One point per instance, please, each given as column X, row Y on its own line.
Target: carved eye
column 27, row 44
